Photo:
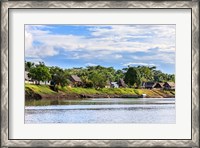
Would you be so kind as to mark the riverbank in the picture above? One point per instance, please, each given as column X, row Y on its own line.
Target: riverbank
column 38, row 92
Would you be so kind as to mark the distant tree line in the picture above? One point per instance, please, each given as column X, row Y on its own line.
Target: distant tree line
column 97, row 76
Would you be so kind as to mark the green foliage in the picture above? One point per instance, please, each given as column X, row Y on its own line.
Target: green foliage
column 39, row 73
column 146, row 73
column 98, row 79
column 59, row 76
column 133, row 77
column 45, row 90
column 28, row 66
column 97, row 76
column 40, row 89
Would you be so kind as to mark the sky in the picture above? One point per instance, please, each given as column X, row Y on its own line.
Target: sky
column 117, row 46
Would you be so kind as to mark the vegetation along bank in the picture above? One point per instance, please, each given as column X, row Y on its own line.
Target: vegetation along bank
column 43, row 82
column 38, row 92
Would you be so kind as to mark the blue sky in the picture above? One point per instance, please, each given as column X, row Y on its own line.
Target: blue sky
column 118, row 46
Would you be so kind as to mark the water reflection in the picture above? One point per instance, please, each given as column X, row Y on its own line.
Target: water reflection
column 104, row 111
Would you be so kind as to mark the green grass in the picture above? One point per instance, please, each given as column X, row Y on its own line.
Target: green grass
column 149, row 92
column 40, row 89
column 79, row 90
column 44, row 89
column 169, row 92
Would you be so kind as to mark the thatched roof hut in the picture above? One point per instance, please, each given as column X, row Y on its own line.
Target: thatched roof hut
column 75, row 78
column 169, row 85
column 159, row 85
column 149, row 85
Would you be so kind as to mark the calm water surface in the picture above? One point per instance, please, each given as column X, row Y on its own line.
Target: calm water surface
column 105, row 110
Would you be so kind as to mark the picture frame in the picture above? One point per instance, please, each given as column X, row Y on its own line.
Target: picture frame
column 7, row 6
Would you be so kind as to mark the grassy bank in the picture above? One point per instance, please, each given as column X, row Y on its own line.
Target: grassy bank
column 44, row 90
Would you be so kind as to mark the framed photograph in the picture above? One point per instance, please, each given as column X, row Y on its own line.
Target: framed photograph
column 100, row 73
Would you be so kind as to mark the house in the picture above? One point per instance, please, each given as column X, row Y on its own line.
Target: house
column 159, row 85
column 26, row 77
column 29, row 80
column 114, row 85
column 169, row 85
column 76, row 81
column 121, row 83
column 149, row 85
column 45, row 82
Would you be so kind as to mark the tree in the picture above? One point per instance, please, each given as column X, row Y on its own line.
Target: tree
column 86, row 82
column 59, row 76
column 28, row 66
column 146, row 73
column 133, row 77
column 98, row 79
column 40, row 73
column 118, row 75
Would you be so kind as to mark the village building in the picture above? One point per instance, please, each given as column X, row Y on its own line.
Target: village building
column 45, row 82
column 29, row 80
column 149, row 85
column 159, row 85
column 114, row 85
column 121, row 83
column 76, row 81
column 169, row 85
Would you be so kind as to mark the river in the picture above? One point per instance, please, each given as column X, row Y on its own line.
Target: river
column 105, row 110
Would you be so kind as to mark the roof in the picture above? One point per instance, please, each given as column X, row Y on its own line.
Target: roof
column 150, row 84
column 170, row 84
column 159, row 83
column 76, row 78
column 114, row 84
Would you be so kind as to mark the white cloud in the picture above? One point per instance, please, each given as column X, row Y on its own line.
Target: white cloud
column 144, row 64
column 41, row 51
column 36, row 51
column 28, row 40
column 105, row 42
column 36, row 60
column 90, row 64
column 159, row 57
column 149, row 36
column 117, row 56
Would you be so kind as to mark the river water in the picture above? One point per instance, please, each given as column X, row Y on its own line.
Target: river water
column 105, row 110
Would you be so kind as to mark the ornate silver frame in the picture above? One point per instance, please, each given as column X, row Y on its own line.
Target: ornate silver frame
column 6, row 142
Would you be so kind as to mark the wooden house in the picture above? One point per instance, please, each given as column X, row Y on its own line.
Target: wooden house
column 169, row 85
column 149, row 85
column 159, row 85
column 76, row 81
column 121, row 83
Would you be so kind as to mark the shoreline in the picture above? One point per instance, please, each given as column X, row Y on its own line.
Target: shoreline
column 39, row 92
column 73, row 96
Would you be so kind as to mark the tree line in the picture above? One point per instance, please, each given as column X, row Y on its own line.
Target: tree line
column 96, row 76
